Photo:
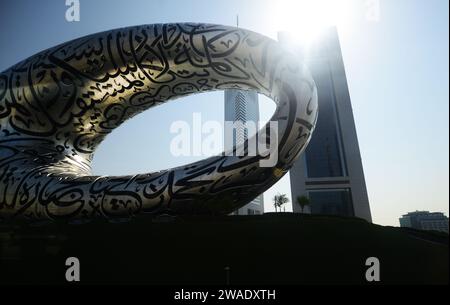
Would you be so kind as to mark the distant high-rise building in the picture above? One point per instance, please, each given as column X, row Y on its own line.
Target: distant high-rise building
column 242, row 105
column 330, row 171
column 424, row 220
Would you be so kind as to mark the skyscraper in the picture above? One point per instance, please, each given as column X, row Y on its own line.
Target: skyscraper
column 241, row 105
column 330, row 171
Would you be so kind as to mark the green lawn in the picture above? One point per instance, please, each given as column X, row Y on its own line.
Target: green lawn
column 275, row 248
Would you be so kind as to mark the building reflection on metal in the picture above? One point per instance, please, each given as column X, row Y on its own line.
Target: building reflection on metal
column 58, row 105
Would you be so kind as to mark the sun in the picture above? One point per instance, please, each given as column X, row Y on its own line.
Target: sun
column 305, row 19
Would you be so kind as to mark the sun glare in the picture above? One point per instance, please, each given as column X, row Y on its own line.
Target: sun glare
column 304, row 19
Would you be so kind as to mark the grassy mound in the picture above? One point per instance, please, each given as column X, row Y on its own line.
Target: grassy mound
column 274, row 248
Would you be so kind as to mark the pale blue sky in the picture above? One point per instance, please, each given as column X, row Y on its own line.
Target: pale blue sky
column 397, row 70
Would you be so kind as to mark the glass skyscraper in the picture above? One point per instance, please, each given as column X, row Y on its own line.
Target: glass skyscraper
column 330, row 171
column 243, row 106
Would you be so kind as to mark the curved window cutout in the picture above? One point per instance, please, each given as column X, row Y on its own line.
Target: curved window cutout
column 145, row 143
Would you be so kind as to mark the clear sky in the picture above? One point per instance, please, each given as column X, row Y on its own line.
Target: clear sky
column 396, row 65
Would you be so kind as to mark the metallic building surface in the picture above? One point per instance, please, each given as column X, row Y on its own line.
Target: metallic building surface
column 58, row 105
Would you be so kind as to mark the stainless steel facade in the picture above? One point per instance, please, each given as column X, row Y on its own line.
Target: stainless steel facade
column 330, row 172
column 57, row 106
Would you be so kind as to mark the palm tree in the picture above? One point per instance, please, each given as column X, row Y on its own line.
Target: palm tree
column 303, row 201
column 279, row 200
